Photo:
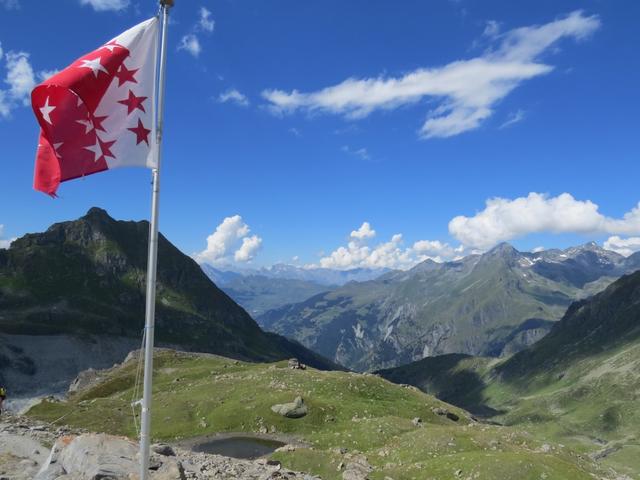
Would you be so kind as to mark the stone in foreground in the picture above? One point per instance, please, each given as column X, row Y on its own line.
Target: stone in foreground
column 295, row 409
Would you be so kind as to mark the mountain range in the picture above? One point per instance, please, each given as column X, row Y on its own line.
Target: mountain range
column 492, row 304
column 81, row 286
column 268, row 288
column 579, row 385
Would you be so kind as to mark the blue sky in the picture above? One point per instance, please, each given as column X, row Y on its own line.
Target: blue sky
column 300, row 121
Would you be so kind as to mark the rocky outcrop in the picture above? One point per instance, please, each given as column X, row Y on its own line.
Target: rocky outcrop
column 91, row 456
column 295, row 409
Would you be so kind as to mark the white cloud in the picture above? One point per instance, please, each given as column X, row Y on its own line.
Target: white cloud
column 106, row 5
column 191, row 44
column 46, row 74
column 4, row 243
column 538, row 249
column 491, row 29
column 513, row 118
column 206, row 23
column 467, row 90
column 20, row 76
column 361, row 153
column 230, row 241
column 295, row 131
column 365, row 231
column 624, row 246
column 390, row 254
column 234, row 96
column 505, row 219
column 248, row 249
column 437, row 249
column 20, row 80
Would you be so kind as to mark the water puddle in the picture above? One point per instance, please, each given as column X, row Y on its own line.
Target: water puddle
column 238, row 447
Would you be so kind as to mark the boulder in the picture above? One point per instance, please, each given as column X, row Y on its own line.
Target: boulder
column 443, row 412
column 295, row 409
column 295, row 364
column 163, row 449
column 417, row 421
column 171, row 469
column 92, row 456
column 358, row 468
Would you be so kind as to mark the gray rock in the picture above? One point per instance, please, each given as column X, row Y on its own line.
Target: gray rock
column 358, row 468
column 417, row 422
column 443, row 412
column 96, row 456
column 295, row 409
column 171, row 469
column 295, row 364
column 163, row 449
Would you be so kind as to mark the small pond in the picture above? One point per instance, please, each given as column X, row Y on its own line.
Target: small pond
column 238, row 447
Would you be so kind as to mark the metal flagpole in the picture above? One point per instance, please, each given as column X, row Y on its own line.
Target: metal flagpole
column 145, row 430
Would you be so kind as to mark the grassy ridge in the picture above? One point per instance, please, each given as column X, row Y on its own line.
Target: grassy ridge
column 197, row 395
column 579, row 385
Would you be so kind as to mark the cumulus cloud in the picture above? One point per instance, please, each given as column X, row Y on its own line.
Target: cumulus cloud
column 191, row 44
column 467, row 90
column 206, row 23
column 624, row 246
column 234, row 96
column 248, row 249
column 4, row 242
column 391, row 254
column 365, row 231
column 19, row 80
column 230, row 241
column 106, row 5
column 504, row 219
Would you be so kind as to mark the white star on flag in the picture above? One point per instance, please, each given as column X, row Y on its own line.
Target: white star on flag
column 95, row 66
column 96, row 149
column 111, row 46
column 110, row 101
column 46, row 110
column 56, row 146
column 88, row 126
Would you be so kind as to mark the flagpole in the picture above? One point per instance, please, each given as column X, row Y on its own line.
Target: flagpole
column 145, row 430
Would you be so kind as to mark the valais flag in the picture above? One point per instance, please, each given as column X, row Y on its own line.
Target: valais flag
column 99, row 112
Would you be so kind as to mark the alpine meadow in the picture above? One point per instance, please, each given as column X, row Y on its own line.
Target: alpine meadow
column 361, row 240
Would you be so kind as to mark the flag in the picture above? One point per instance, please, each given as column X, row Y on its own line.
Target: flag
column 99, row 112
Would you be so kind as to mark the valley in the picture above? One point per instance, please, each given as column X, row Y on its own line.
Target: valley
column 493, row 304
column 528, row 373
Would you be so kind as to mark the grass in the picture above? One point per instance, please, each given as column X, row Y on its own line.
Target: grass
column 197, row 395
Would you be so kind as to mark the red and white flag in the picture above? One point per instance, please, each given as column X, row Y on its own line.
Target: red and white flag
column 99, row 112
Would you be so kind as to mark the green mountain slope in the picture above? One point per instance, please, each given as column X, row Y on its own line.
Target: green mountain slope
column 352, row 419
column 492, row 305
column 579, row 385
column 87, row 277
